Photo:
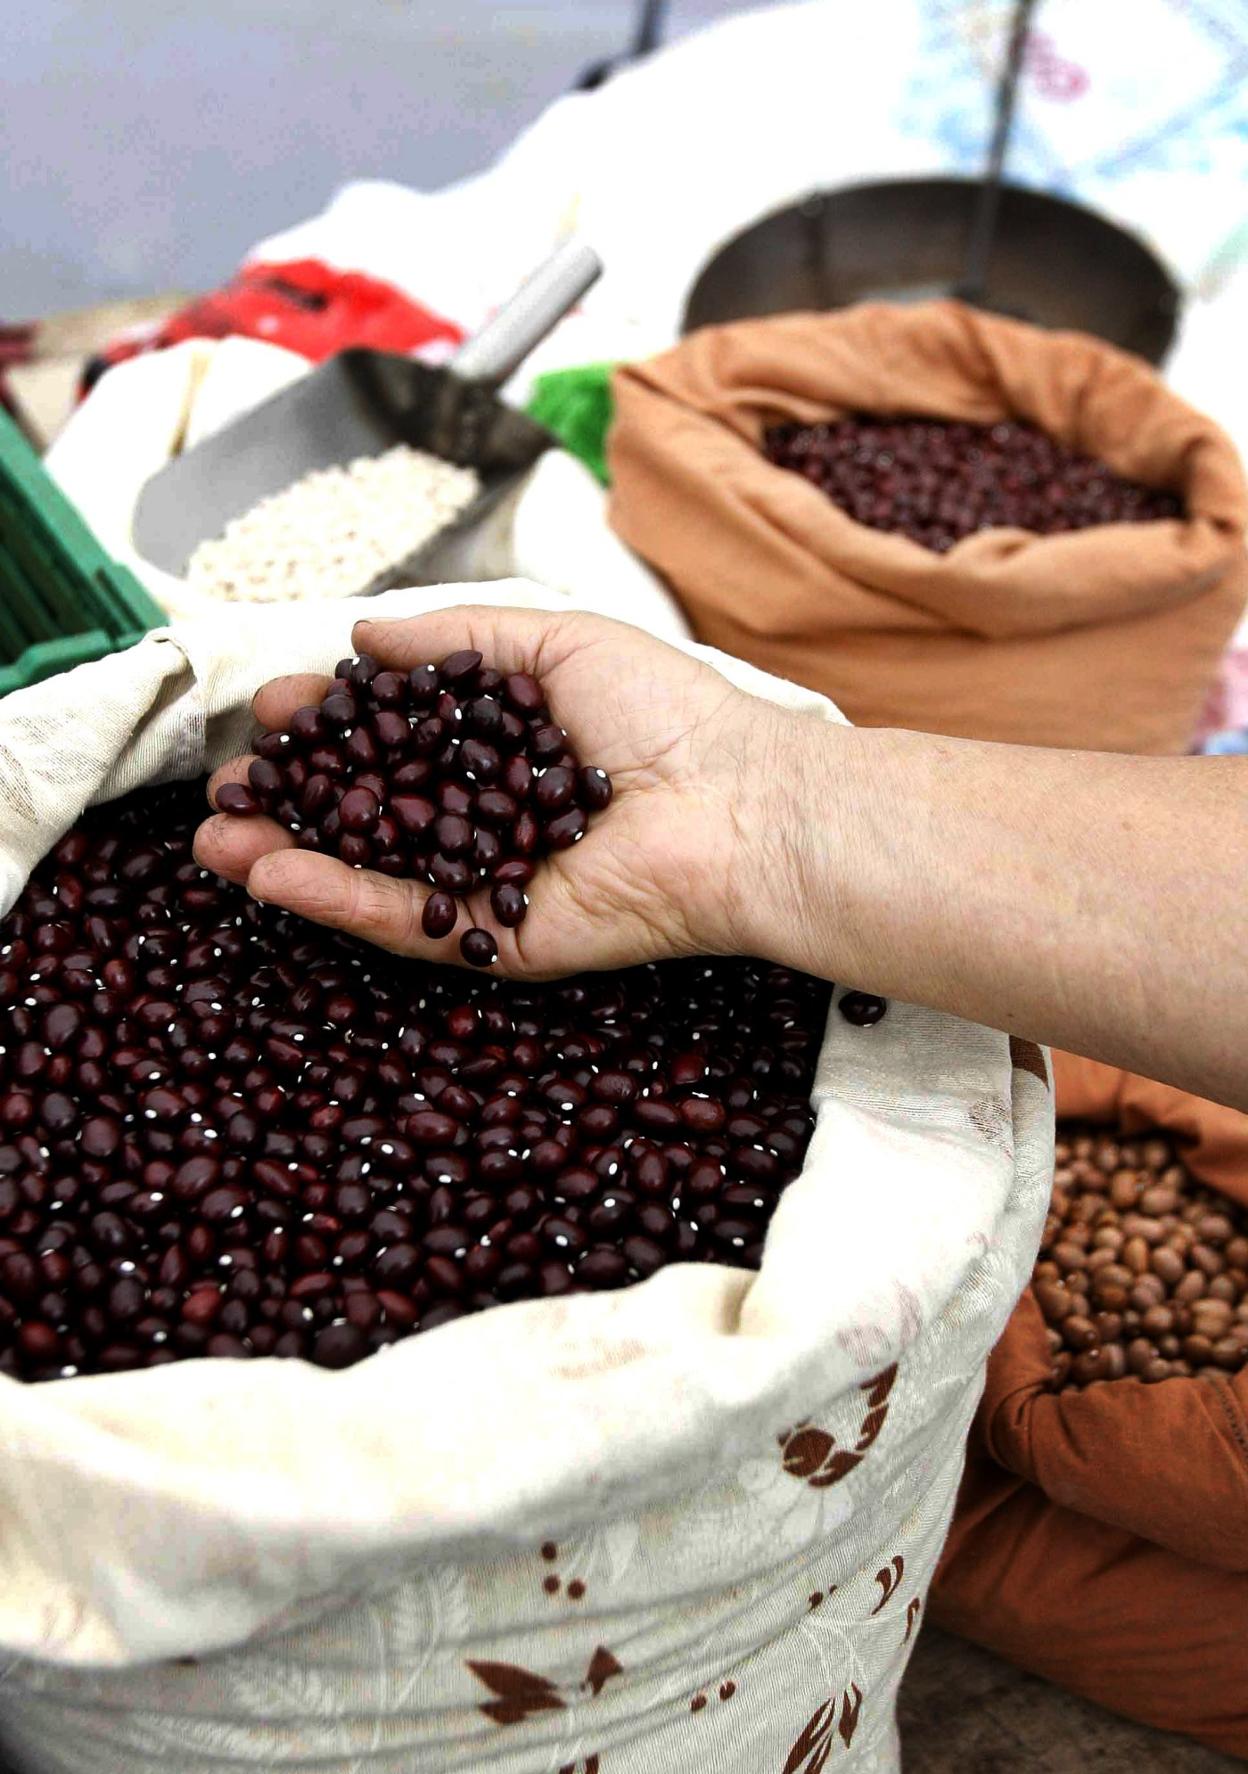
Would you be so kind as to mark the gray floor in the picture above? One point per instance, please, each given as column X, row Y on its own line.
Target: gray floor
column 963, row 1711
column 145, row 144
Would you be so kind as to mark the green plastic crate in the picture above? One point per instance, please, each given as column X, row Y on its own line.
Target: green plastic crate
column 63, row 600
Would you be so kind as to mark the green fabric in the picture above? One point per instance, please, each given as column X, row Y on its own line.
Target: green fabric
column 576, row 405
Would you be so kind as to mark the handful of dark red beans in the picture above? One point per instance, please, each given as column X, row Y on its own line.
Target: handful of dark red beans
column 937, row 481
column 1143, row 1271
column 226, row 1132
column 452, row 774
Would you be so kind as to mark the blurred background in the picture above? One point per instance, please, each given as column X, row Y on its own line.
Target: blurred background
column 146, row 146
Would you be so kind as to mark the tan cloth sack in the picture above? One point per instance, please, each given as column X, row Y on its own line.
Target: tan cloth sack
column 1104, row 638
column 1101, row 1536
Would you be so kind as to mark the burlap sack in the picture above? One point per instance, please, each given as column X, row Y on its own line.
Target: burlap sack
column 689, row 1524
column 1101, row 1537
column 1009, row 635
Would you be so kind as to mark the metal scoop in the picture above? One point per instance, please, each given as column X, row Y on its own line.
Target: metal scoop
column 361, row 403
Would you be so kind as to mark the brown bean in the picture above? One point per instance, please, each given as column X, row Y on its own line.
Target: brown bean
column 1107, row 1237
column 1135, row 1255
column 1191, row 1287
column 1068, row 1256
column 1108, row 1326
column 1168, row 1264
column 1124, row 1188
column 1237, row 1252
column 1078, row 1332
column 1113, row 1361
column 1208, row 1259
column 1089, row 1367
column 1141, row 1225
column 1159, row 1199
column 1223, row 1287
column 1169, row 1346
column 1197, row 1349
column 1149, row 1290
column 1228, row 1353
column 1156, row 1370
column 1053, row 1300
column 1214, row 1228
column 1158, row 1321
column 1101, row 1258
column 1140, row 1353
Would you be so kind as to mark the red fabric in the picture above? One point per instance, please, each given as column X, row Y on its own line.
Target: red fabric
column 303, row 305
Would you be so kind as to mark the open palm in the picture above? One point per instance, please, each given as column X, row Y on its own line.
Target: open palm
column 658, row 873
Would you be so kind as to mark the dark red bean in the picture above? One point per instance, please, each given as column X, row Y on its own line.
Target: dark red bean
column 237, row 798
column 496, row 807
column 593, row 788
column 516, row 872
column 281, row 1121
column 566, row 829
column 265, row 778
column 862, row 1009
column 554, row 789
column 439, row 915
column 523, row 693
column 602, row 1267
column 937, row 481
column 451, row 874
column 453, row 834
column 458, row 667
column 478, row 948
column 509, row 904
column 359, row 810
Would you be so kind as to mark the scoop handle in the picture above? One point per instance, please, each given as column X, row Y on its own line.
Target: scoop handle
column 536, row 308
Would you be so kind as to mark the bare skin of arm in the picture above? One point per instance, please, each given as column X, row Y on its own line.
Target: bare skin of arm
column 1084, row 900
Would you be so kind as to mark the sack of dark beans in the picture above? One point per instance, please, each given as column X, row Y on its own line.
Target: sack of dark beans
column 942, row 519
column 1100, row 1534
column 345, row 1430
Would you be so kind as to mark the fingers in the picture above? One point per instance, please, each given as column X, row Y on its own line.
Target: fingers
column 511, row 640
column 275, row 702
column 232, row 847
column 233, row 771
column 374, row 907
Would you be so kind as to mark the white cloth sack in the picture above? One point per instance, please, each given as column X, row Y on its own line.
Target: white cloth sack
column 553, row 528
column 689, row 1524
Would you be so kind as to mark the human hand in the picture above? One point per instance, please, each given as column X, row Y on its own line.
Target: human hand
column 675, row 866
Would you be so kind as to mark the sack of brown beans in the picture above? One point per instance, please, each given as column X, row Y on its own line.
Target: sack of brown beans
column 632, row 1525
column 1100, row 1535
column 942, row 519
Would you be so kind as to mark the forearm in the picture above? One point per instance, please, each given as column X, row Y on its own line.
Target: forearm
column 1089, row 901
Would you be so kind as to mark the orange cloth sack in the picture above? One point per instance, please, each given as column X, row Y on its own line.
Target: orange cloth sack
column 1101, row 1537
column 1105, row 638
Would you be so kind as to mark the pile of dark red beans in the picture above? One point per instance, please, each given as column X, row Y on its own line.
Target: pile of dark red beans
column 1143, row 1271
column 452, row 774
column 226, row 1132
column 937, row 481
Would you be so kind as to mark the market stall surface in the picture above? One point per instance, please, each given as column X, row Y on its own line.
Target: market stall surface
column 964, row 1711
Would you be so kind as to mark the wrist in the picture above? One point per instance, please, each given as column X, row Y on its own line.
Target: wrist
column 782, row 833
